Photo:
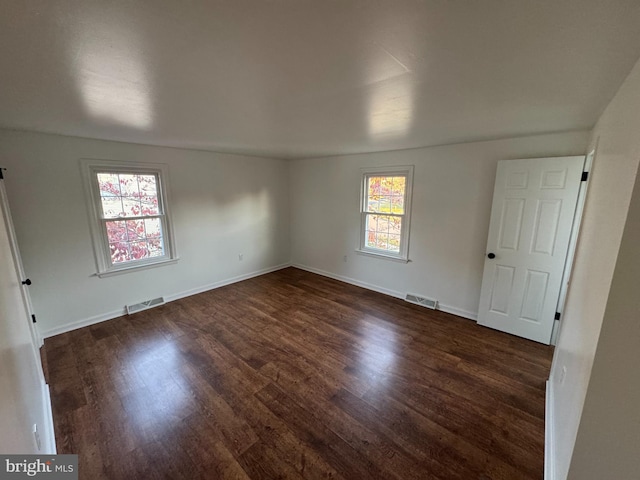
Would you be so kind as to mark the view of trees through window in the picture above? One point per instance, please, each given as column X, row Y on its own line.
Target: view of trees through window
column 385, row 208
column 131, row 215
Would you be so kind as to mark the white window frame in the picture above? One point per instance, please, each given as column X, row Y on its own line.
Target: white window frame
column 397, row 171
column 90, row 168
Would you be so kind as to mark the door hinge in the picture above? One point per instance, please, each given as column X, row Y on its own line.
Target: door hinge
column 33, row 318
column 557, row 317
column 585, row 176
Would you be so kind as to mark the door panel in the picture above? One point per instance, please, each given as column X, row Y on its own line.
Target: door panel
column 534, row 292
column 554, row 179
column 502, row 285
column 533, row 207
column 546, row 226
column 513, row 209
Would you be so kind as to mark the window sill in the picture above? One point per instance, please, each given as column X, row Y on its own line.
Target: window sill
column 383, row 256
column 135, row 268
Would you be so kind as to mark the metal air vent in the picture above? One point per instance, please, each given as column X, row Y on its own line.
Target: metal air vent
column 138, row 307
column 422, row 301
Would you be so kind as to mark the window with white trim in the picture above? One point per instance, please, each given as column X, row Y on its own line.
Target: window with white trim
column 130, row 222
column 385, row 210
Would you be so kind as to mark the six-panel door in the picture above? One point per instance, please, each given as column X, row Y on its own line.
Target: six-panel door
column 532, row 215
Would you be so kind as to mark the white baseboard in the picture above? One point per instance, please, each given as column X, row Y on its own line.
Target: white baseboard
column 549, row 448
column 222, row 283
column 176, row 296
column 458, row 312
column 445, row 308
column 351, row 281
column 67, row 327
column 49, row 435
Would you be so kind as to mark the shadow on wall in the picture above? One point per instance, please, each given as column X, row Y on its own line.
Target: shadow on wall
column 245, row 228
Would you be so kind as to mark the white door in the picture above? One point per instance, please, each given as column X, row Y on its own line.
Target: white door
column 534, row 202
column 25, row 408
column 17, row 259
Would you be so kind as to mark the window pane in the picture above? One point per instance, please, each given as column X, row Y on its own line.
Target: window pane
column 385, row 204
column 139, row 250
column 135, row 230
column 395, row 225
column 373, row 194
column 394, row 243
column 129, row 184
column 149, row 205
column 116, row 232
column 109, row 184
column 399, row 184
column 397, row 205
column 373, row 188
column 112, row 207
column 156, row 247
column 147, row 184
column 148, row 194
column 120, row 252
column 153, row 227
column 131, row 207
column 386, row 186
column 382, row 241
column 370, row 239
column 399, row 189
column 383, row 223
column 371, row 222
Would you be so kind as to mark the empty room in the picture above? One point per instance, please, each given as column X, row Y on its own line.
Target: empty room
column 295, row 239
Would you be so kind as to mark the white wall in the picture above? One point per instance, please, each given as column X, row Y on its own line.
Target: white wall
column 608, row 441
column 222, row 206
column 452, row 194
column 617, row 135
column 23, row 394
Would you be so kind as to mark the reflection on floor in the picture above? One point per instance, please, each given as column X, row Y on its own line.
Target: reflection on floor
column 293, row 375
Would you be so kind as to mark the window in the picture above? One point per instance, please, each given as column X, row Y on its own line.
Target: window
column 385, row 210
column 130, row 218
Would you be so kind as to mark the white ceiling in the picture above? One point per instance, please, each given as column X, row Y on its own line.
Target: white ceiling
column 300, row 78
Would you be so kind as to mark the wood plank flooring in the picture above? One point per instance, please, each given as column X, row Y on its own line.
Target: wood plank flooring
column 292, row 375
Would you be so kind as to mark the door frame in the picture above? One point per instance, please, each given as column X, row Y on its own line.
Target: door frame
column 573, row 243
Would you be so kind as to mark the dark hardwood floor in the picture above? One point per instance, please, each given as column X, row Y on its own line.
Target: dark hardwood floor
column 293, row 375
